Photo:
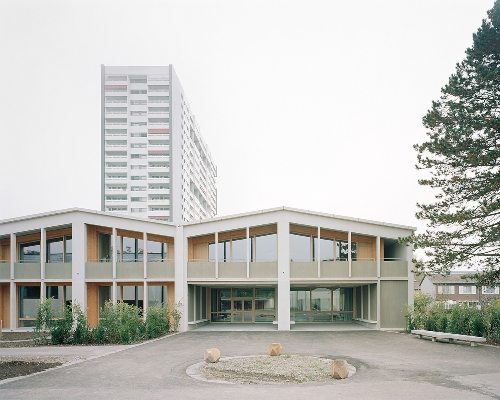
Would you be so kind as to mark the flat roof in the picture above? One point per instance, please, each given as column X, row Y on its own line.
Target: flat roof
column 234, row 216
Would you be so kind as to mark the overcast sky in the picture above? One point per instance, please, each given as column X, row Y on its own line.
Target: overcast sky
column 306, row 104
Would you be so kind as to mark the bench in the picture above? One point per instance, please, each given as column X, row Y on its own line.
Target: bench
column 451, row 337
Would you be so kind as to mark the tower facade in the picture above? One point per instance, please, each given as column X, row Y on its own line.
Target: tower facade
column 154, row 161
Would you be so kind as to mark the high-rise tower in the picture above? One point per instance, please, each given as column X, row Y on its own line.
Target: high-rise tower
column 154, row 161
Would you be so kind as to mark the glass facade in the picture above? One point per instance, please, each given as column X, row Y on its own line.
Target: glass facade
column 29, row 298
column 321, row 304
column 59, row 250
column 29, row 252
column 243, row 305
column 157, row 251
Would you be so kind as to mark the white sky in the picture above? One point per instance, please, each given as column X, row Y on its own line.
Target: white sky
column 307, row 104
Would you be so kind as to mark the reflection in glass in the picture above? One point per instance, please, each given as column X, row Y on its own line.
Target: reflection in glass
column 300, row 247
column 237, row 305
column 55, row 250
column 265, row 248
column 156, row 251
column 157, row 295
column 327, row 249
column 29, row 297
column 300, row 300
column 242, row 292
column 239, row 250
column 29, row 252
column 105, row 247
column 68, row 253
column 321, row 299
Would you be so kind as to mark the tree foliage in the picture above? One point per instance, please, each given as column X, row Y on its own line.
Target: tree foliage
column 462, row 159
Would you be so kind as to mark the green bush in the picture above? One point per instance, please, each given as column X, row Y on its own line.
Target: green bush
column 459, row 318
column 118, row 323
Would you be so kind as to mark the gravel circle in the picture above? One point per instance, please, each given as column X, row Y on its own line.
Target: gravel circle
column 283, row 369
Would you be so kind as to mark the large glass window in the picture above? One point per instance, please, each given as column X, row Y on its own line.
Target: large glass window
column 61, row 295
column 327, row 249
column 129, row 249
column 239, row 250
column 132, row 295
column 29, row 252
column 157, row 295
column 105, row 248
column 321, row 304
column 104, row 296
column 300, row 247
column 264, row 248
column 343, row 250
column 59, row 250
column 29, row 298
column 157, row 251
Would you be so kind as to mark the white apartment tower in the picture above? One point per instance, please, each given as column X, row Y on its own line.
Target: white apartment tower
column 155, row 163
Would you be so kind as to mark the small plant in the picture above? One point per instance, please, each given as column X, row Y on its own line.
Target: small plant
column 43, row 321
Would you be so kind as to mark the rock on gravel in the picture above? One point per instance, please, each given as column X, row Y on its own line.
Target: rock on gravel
column 269, row 370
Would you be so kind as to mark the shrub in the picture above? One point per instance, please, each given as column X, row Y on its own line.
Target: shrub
column 157, row 321
column 61, row 328
column 43, row 321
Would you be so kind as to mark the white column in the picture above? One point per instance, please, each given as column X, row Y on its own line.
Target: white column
column 13, row 305
column 369, row 303
column 145, row 299
column 248, row 252
column 377, row 255
column 180, row 245
column 43, row 290
column 145, row 253
column 114, row 249
column 362, row 316
column 216, row 255
column 349, row 258
column 114, row 290
column 378, row 304
column 409, row 260
column 318, row 252
column 13, row 254
column 283, row 274
column 13, row 288
column 43, row 256
column 79, row 288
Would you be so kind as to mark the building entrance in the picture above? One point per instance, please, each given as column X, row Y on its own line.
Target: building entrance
column 242, row 305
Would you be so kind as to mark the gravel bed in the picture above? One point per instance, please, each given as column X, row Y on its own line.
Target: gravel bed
column 282, row 369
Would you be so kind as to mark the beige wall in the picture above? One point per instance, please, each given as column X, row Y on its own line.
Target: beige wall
column 393, row 304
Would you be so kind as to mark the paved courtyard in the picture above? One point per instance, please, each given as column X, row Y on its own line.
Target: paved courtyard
column 390, row 365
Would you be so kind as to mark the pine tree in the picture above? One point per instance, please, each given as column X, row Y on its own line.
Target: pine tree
column 461, row 158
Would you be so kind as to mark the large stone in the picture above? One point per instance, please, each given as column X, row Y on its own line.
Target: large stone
column 341, row 369
column 275, row 349
column 212, row 355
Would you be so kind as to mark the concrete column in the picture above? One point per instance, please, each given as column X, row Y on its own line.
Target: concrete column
column 377, row 255
column 369, row 303
column 362, row 316
column 43, row 290
column 43, row 256
column 180, row 245
column 248, row 251
column 216, row 255
column 283, row 273
column 318, row 252
column 145, row 254
column 114, row 289
column 13, row 288
column 349, row 256
column 79, row 288
column 409, row 260
column 378, row 304
column 13, row 305
column 145, row 300
column 113, row 249
column 13, row 254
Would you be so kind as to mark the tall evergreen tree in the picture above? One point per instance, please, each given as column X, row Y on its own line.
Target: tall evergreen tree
column 461, row 158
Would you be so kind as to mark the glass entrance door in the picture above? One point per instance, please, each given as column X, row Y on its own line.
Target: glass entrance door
column 242, row 310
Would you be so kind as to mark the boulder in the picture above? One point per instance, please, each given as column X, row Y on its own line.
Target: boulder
column 212, row 355
column 341, row 369
column 275, row 349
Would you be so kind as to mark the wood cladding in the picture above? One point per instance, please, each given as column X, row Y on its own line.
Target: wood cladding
column 92, row 304
column 231, row 235
column 160, row 238
column 264, row 230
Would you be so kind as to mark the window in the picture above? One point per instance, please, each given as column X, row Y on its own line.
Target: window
column 133, row 249
column 137, row 102
column 29, row 252
column 59, row 250
column 157, row 251
column 138, row 146
column 138, row 167
column 138, row 134
column 61, row 296
column 469, row 289
column 29, row 298
column 490, row 290
column 137, row 199
column 264, row 248
column 342, row 250
column 139, row 91
column 138, row 178
column 138, row 188
column 138, row 210
column 300, row 247
column 138, row 124
column 136, row 113
column 140, row 156
column 446, row 289
column 157, row 295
